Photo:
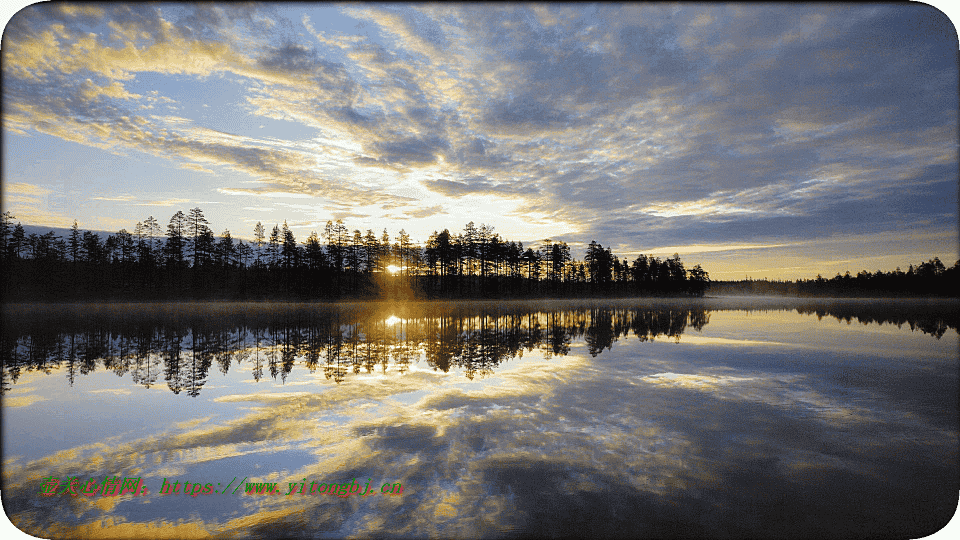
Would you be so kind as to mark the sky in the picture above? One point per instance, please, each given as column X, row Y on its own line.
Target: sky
column 760, row 140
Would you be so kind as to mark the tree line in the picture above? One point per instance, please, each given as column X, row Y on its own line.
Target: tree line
column 929, row 278
column 188, row 261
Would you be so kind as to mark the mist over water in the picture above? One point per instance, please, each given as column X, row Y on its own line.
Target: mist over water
column 710, row 417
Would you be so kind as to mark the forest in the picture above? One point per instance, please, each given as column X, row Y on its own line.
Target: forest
column 929, row 278
column 189, row 262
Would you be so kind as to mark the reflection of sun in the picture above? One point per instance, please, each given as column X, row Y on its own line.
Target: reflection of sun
column 393, row 319
column 393, row 268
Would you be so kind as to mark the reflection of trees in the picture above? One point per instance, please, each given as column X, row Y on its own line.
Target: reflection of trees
column 146, row 366
column 559, row 335
column 289, row 345
column 441, row 342
column 153, row 344
column 600, row 333
column 930, row 318
column 403, row 348
column 201, row 360
column 257, row 362
column 171, row 343
column 334, row 367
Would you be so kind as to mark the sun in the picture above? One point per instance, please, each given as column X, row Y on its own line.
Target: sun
column 393, row 268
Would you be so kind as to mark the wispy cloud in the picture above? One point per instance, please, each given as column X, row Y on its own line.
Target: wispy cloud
column 640, row 124
column 165, row 202
column 703, row 248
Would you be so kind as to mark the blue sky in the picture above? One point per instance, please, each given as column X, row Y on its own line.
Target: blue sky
column 765, row 140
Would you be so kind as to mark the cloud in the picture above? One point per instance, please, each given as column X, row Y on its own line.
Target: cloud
column 124, row 198
column 410, row 151
column 263, row 192
column 475, row 186
column 21, row 191
column 164, row 202
column 705, row 248
column 424, row 212
column 28, row 202
column 641, row 125
column 526, row 112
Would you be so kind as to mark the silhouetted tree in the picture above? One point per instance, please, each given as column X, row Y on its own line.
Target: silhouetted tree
column 336, row 236
column 5, row 230
column 173, row 248
column 700, row 280
column 289, row 250
column 197, row 226
column 371, row 250
column 273, row 247
column 17, row 241
column 225, row 252
column 74, row 242
column 258, row 238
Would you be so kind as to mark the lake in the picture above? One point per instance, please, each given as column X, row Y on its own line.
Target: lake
column 654, row 417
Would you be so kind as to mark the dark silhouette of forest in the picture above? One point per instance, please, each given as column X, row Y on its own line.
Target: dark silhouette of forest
column 188, row 262
column 177, row 344
column 930, row 278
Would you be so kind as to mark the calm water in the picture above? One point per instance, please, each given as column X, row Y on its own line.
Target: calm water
column 664, row 418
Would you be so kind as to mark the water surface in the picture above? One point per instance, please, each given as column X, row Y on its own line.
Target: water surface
column 661, row 418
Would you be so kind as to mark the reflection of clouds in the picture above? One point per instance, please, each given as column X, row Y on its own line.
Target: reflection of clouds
column 535, row 445
column 427, row 445
column 693, row 339
column 786, row 391
column 857, row 430
column 22, row 400
column 112, row 391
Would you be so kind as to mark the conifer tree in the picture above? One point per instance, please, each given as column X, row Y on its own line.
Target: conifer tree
column 74, row 242
column 273, row 247
column 258, row 238
column 173, row 248
column 197, row 227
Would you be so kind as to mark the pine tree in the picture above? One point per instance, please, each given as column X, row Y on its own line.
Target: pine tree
column 258, row 237
column 226, row 252
column 74, row 242
column 384, row 253
column 403, row 244
column 197, row 227
column 126, row 246
column 18, row 241
column 153, row 232
column 314, row 252
column 5, row 219
column 336, row 235
column 356, row 251
column 289, row 247
column 173, row 248
column 371, row 248
column 273, row 248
